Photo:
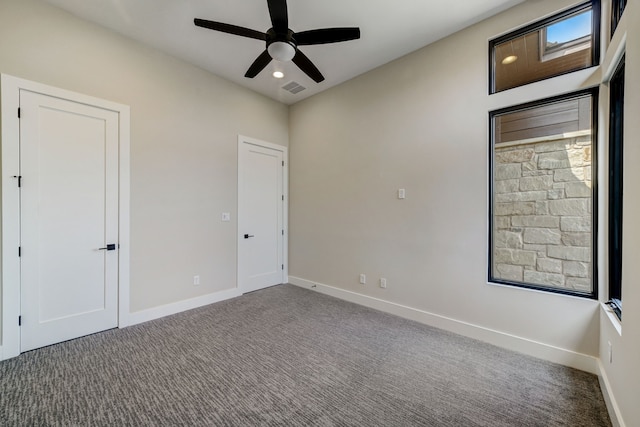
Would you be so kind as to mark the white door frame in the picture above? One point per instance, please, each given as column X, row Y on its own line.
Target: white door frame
column 285, row 208
column 9, row 104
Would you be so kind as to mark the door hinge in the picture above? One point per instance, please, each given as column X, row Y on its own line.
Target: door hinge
column 18, row 112
column 19, row 251
column 283, row 266
column 283, row 198
column 283, row 163
column 19, row 320
column 283, row 232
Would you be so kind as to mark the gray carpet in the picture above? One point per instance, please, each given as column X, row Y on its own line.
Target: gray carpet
column 287, row 356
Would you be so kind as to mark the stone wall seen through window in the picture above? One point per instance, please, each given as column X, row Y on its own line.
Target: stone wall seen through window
column 542, row 207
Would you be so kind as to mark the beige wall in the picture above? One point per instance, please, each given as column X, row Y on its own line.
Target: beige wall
column 623, row 373
column 184, row 128
column 420, row 123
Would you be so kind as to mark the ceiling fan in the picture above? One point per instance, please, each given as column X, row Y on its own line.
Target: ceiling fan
column 282, row 43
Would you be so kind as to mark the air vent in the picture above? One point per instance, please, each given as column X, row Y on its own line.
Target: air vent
column 293, row 87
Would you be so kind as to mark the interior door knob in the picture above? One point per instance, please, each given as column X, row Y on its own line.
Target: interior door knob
column 109, row 247
column 246, row 236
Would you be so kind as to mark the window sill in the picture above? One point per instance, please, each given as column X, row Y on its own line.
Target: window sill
column 615, row 322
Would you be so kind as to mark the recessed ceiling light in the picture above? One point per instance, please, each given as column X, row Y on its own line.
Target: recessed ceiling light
column 278, row 74
column 509, row 60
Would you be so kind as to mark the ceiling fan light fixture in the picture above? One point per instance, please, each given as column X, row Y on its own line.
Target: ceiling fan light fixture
column 278, row 74
column 281, row 51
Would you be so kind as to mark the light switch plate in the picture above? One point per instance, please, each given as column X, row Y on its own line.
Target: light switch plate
column 226, row 216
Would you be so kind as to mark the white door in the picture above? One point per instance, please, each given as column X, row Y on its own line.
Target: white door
column 69, row 219
column 260, row 216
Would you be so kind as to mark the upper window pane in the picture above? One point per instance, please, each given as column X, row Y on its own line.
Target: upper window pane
column 554, row 46
column 571, row 29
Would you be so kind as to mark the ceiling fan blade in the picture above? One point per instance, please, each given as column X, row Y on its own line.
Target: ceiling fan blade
column 279, row 16
column 258, row 65
column 230, row 29
column 326, row 35
column 307, row 66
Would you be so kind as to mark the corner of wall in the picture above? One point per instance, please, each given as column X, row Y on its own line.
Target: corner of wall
column 612, row 405
column 180, row 306
column 526, row 346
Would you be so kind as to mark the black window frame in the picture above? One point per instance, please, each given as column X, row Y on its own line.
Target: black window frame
column 594, row 5
column 594, row 93
column 617, row 9
column 616, row 175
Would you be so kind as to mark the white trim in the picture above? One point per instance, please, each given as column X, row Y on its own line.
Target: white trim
column 285, row 216
column 180, row 306
column 615, row 322
column 614, row 59
column 10, row 102
column 612, row 406
column 523, row 345
column 543, row 89
column 124, row 251
column 10, row 99
column 285, row 208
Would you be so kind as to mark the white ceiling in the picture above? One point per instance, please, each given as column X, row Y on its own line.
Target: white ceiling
column 389, row 30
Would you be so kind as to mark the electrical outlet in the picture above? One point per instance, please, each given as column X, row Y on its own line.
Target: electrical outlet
column 402, row 193
column 363, row 279
column 226, row 216
column 196, row 280
column 383, row 283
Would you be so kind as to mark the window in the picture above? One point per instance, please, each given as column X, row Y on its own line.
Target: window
column 617, row 7
column 616, row 113
column 542, row 173
column 557, row 45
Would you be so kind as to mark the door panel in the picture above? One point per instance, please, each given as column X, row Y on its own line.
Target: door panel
column 69, row 210
column 260, row 251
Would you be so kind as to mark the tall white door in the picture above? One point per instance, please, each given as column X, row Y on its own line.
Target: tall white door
column 69, row 219
column 260, row 216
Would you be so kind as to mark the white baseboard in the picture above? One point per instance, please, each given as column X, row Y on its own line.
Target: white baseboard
column 612, row 405
column 180, row 306
column 523, row 345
